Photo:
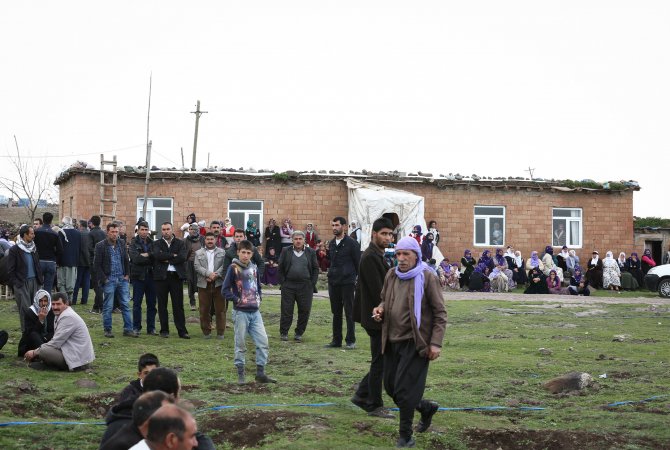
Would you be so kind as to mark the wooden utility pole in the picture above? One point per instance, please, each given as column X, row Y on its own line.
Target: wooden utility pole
column 182, row 158
column 148, row 159
column 197, row 113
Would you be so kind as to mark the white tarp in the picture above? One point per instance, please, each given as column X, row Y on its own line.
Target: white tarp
column 368, row 202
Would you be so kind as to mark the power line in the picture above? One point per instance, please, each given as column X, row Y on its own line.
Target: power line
column 77, row 154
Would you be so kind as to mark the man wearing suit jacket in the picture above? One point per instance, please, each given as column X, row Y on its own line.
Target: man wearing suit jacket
column 208, row 264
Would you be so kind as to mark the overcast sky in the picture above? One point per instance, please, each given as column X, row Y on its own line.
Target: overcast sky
column 573, row 89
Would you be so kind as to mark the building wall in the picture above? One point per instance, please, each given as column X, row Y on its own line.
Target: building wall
column 607, row 222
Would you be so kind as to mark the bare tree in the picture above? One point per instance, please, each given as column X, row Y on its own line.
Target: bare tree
column 29, row 179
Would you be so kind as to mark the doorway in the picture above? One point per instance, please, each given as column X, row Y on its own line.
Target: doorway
column 656, row 250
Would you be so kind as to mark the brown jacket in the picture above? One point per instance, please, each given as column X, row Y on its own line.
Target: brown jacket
column 433, row 311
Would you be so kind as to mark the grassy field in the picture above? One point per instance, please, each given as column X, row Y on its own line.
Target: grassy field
column 491, row 358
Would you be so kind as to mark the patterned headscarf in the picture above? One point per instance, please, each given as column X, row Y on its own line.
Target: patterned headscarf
column 500, row 259
column 534, row 260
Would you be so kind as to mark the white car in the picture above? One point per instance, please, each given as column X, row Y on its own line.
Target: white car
column 658, row 278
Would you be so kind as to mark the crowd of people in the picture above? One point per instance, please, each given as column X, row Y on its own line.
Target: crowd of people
column 393, row 290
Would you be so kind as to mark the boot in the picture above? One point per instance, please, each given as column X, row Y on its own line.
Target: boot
column 240, row 375
column 261, row 377
column 427, row 409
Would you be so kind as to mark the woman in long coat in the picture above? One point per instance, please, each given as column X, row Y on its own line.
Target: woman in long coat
column 594, row 271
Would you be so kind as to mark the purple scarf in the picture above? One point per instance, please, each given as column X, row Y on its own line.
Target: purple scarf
column 534, row 260
column 500, row 259
column 409, row 243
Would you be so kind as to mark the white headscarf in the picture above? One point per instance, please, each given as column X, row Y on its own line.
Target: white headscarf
column 35, row 307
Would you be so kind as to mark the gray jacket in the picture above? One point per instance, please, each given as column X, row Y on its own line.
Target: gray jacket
column 202, row 267
column 72, row 339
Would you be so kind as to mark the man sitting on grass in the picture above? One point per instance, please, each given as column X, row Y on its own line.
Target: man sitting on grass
column 146, row 364
column 71, row 347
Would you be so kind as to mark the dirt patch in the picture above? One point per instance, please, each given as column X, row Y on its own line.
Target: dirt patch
column 243, row 429
column 551, row 440
column 247, row 388
column 98, row 404
column 620, row 375
column 644, row 341
column 318, row 390
column 363, row 427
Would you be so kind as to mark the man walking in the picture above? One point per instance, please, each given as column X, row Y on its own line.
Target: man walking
column 208, row 265
column 344, row 255
column 24, row 270
column 49, row 248
column 95, row 235
column 111, row 270
column 169, row 255
column 371, row 276
column 414, row 321
column 70, row 240
column 298, row 274
column 141, row 277
column 84, row 266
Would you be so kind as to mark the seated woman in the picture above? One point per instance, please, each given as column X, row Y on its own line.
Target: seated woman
column 449, row 275
column 39, row 323
column 578, row 283
column 486, row 260
column 550, row 264
column 635, row 268
column 594, row 271
column 501, row 264
column 628, row 282
column 499, row 280
column 534, row 263
column 611, row 273
column 479, row 280
column 468, row 264
column 562, row 261
column 647, row 261
column 554, row 283
column 536, row 281
column 520, row 275
column 271, row 274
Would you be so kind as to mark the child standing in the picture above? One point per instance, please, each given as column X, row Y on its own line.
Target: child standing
column 242, row 286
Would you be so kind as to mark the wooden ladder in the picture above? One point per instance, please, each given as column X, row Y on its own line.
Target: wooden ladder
column 107, row 184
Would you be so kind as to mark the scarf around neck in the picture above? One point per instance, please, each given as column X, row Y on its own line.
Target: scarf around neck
column 28, row 247
column 409, row 243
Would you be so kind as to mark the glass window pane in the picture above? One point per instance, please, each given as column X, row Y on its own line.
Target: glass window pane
column 575, row 238
column 237, row 218
column 497, row 231
column 489, row 211
column 565, row 212
column 559, row 233
column 162, row 202
column 480, row 231
column 236, row 205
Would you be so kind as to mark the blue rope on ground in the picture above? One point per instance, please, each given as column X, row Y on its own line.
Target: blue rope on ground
column 320, row 405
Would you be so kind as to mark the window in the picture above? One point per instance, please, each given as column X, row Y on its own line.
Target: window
column 567, row 227
column 159, row 210
column 240, row 211
column 489, row 225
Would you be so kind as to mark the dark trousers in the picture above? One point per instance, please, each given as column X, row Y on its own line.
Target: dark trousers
column 142, row 288
column 83, row 282
column 293, row 292
column 174, row 286
column 97, row 301
column 370, row 387
column 192, row 280
column 342, row 297
column 405, row 374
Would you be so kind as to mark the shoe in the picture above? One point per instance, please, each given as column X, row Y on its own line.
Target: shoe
column 360, row 402
column 207, row 336
column 192, row 307
column 381, row 412
column 350, row 346
column 184, row 336
column 333, row 345
column 131, row 333
column 219, row 337
column 264, row 379
column 283, row 337
column 165, row 335
column 95, row 311
column 116, row 311
column 405, row 443
column 428, row 410
column 297, row 337
column 38, row 365
column 108, row 334
column 152, row 333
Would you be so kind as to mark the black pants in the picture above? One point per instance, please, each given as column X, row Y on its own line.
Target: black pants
column 370, row 387
column 192, row 279
column 97, row 301
column 342, row 296
column 293, row 292
column 405, row 374
column 174, row 286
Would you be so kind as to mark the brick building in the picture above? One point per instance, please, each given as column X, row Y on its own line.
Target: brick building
column 471, row 213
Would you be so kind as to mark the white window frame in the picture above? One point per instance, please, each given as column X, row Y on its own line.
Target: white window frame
column 569, row 221
column 487, row 218
column 151, row 212
column 247, row 212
